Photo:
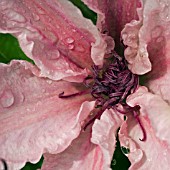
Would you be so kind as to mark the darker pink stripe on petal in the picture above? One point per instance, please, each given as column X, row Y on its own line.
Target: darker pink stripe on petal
column 54, row 34
column 114, row 14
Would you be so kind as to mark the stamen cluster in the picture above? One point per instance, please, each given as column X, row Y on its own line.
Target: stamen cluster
column 113, row 85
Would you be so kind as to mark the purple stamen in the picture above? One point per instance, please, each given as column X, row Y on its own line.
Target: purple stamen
column 61, row 95
column 136, row 115
column 110, row 86
column 113, row 85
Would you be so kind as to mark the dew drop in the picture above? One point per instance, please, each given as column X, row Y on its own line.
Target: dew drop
column 15, row 16
column 40, row 11
column 49, row 81
column 159, row 39
column 7, row 98
column 69, row 40
column 71, row 46
column 53, row 55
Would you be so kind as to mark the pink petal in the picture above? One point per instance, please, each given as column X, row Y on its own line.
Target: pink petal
column 33, row 119
column 104, row 132
column 154, row 153
column 84, row 154
column 114, row 14
column 55, row 35
column 151, row 154
column 148, row 43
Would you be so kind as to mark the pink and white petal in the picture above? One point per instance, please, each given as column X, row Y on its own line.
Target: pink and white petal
column 55, row 35
column 155, row 118
column 104, row 134
column 157, row 110
column 33, row 119
column 91, row 150
column 150, row 154
column 149, row 49
column 113, row 15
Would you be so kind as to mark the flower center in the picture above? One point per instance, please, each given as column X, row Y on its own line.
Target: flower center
column 110, row 86
column 113, row 84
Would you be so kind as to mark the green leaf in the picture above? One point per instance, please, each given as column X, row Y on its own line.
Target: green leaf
column 119, row 160
column 87, row 13
column 9, row 49
column 36, row 166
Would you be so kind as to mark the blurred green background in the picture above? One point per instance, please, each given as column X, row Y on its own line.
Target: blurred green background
column 9, row 49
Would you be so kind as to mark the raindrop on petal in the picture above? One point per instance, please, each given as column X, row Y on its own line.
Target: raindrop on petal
column 53, row 55
column 40, row 11
column 49, row 81
column 7, row 98
column 71, row 46
column 69, row 40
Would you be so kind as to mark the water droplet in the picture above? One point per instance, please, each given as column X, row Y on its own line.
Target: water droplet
column 74, row 30
column 160, row 39
column 49, row 81
column 35, row 17
column 14, row 16
column 127, row 143
column 71, row 46
column 40, row 11
column 7, row 98
column 149, row 160
column 165, row 12
column 165, row 153
column 69, row 40
column 53, row 55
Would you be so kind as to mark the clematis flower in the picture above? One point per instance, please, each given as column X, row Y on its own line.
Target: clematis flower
column 70, row 104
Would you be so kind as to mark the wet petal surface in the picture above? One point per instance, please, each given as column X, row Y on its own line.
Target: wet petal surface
column 148, row 44
column 31, row 114
column 90, row 150
column 113, row 15
column 55, row 35
column 154, row 153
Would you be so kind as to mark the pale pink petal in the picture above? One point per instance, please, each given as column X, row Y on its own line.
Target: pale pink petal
column 55, row 35
column 104, row 135
column 150, row 154
column 84, row 154
column 33, row 119
column 157, row 110
column 154, row 153
column 148, row 43
column 114, row 14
